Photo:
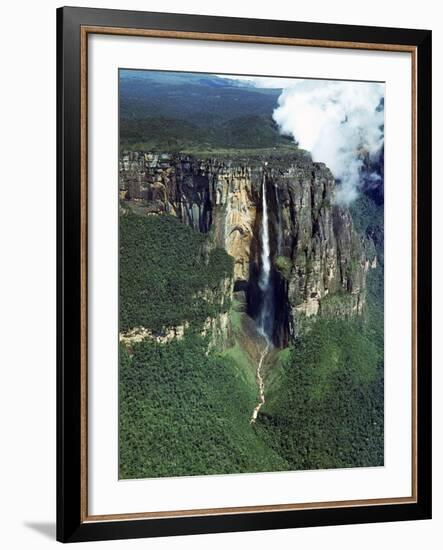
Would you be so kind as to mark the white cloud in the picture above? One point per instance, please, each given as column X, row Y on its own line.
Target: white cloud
column 334, row 120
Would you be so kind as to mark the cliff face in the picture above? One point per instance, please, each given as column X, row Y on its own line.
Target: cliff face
column 319, row 262
column 207, row 195
column 319, row 254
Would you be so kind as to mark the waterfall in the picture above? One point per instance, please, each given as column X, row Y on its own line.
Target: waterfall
column 265, row 250
column 266, row 317
column 279, row 231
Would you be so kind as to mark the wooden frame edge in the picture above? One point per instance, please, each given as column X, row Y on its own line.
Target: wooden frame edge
column 276, row 40
column 414, row 296
column 204, row 512
column 84, row 275
column 85, row 30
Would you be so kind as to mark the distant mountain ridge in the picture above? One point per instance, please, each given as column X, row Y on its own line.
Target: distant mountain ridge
column 185, row 111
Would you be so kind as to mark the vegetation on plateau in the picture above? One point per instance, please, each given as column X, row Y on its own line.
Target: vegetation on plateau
column 163, row 112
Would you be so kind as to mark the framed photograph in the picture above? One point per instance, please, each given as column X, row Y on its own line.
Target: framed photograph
column 244, row 274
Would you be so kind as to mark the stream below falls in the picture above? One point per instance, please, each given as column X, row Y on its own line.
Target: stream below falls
column 261, row 384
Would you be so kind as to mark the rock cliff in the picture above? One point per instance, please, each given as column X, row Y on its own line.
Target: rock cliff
column 319, row 262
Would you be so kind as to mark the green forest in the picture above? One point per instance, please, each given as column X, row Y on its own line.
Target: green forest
column 324, row 405
column 184, row 412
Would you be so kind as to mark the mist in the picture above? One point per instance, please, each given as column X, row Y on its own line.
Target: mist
column 339, row 123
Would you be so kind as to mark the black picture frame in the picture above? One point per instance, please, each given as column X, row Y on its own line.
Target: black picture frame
column 71, row 523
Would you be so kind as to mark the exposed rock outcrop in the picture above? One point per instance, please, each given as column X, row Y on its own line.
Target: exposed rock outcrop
column 138, row 334
column 218, row 327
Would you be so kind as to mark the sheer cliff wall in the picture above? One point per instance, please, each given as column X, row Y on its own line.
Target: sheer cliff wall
column 320, row 262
